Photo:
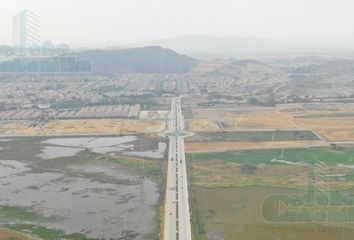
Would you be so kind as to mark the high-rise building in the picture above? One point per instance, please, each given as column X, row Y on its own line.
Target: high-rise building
column 26, row 31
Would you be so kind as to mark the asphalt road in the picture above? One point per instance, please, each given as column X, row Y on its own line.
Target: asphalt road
column 177, row 217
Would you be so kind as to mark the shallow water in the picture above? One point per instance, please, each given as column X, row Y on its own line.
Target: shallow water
column 90, row 142
column 93, row 196
column 10, row 167
column 51, row 152
column 157, row 153
column 127, row 145
column 5, row 139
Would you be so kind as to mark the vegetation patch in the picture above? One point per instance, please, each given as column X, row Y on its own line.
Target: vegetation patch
column 149, row 168
column 273, row 194
column 236, row 213
column 46, row 233
column 10, row 213
column 255, row 136
column 256, row 157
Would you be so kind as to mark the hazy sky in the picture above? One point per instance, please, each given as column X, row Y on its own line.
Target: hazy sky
column 111, row 22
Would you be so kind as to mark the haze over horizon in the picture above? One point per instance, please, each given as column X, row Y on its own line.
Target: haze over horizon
column 176, row 119
column 112, row 23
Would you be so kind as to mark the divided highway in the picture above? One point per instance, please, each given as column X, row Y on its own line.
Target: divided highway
column 177, row 218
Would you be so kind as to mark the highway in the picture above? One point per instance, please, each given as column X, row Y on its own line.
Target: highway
column 177, row 216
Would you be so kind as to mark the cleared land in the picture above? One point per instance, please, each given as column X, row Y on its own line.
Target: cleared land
column 6, row 234
column 203, row 125
column 332, row 121
column 154, row 115
column 335, row 129
column 84, row 126
column 231, row 192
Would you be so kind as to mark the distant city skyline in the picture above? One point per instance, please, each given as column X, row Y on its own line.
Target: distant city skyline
column 110, row 22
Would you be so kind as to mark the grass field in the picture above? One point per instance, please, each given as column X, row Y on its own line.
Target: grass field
column 278, row 168
column 206, row 147
column 236, row 213
column 84, row 126
column 326, row 155
column 10, row 213
column 231, row 194
column 44, row 233
column 253, row 136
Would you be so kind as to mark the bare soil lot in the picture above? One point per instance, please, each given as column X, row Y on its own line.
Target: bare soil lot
column 84, row 126
column 203, row 125
column 6, row 234
column 332, row 121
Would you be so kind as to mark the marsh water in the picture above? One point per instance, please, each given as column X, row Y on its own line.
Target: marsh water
column 71, row 184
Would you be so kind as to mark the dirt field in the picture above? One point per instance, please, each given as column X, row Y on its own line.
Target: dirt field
column 86, row 126
column 195, row 147
column 257, row 119
column 334, row 129
column 203, row 125
column 333, row 121
column 11, row 235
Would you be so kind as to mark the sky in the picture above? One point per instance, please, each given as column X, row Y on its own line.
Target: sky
column 88, row 23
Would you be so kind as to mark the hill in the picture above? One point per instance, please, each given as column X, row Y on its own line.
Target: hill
column 139, row 60
column 208, row 46
column 196, row 45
